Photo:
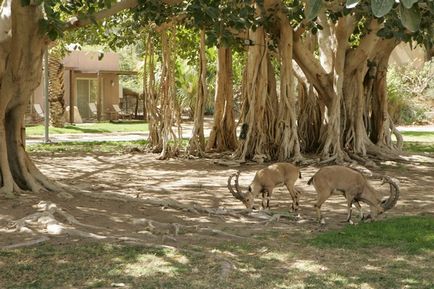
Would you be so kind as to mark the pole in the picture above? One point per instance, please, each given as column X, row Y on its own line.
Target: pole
column 47, row 106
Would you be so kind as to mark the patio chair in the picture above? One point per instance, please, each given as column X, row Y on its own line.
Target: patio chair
column 38, row 109
column 93, row 110
column 120, row 113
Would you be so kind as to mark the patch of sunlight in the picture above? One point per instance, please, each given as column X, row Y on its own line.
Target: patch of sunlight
column 372, row 268
column 177, row 257
column 117, row 219
column 410, row 281
column 226, row 253
column 276, row 256
column 196, row 219
column 5, row 217
column 89, row 209
column 366, row 286
column 255, row 275
column 429, row 237
column 6, row 230
column 148, row 265
column 308, row 266
column 419, row 158
column 291, row 286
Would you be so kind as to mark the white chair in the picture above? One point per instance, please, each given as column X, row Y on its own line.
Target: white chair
column 93, row 110
column 120, row 113
column 38, row 108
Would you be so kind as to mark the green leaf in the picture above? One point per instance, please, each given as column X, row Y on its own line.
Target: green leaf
column 312, row 9
column 53, row 34
column 25, row 2
column 351, row 4
column 381, row 7
column 408, row 3
column 410, row 18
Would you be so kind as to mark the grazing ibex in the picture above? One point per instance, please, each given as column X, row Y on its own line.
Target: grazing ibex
column 265, row 181
column 354, row 186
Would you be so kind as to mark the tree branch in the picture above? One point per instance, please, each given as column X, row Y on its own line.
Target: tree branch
column 74, row 22
column 367, row 43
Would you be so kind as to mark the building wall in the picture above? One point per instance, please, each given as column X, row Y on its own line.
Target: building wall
column 85, row 64
column 403, row 54
column 88, row 60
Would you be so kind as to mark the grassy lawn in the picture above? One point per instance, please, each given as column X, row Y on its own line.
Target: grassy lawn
column 395, row 253
column 100, row 127
column 87, row 147
column 418, row 141
column 418, row 136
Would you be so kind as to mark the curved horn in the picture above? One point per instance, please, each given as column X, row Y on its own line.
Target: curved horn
column 394, row 194
column 237, row 194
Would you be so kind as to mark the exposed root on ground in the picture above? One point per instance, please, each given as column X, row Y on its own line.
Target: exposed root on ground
column 50, row 220
column 175, row 229
column 173, row 204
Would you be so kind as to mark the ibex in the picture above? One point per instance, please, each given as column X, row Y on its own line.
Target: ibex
column 265, row 181
column 354, row 186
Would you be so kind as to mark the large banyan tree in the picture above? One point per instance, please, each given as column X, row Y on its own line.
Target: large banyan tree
column 341, row 51
column 342, row 54
column 354, row 45
column 26, row 30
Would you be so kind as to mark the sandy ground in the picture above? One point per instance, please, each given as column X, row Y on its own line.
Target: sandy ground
column 136, row 181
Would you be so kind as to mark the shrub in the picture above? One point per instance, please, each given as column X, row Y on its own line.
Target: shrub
column 410, row 92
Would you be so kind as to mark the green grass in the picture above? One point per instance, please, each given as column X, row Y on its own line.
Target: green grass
column 87, row 147
column 407, row 234
column 100, row 127
column 91, row 265
column 418, row 141
column 418, row 147
column 389, row 254
column 418, row 136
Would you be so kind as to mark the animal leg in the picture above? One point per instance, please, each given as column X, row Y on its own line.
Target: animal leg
column 265, row 199
column 350, row 209
column 359, row 207
column 294, row 196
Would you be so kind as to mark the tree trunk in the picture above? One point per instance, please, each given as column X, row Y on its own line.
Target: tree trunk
column 223, row 133
column 169, row 108
column 20, row 74
column 150, row 97
column 286, row 136
column 56, row 90
column 381, row 124
column 256, row 120
column 197, row 141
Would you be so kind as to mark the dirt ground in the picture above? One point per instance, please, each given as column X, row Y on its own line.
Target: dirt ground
column 134, row 198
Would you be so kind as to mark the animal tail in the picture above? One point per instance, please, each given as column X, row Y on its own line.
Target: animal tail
column 309, row 182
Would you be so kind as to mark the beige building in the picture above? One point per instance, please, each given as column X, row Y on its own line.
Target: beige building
column 91, row 87
column 404, row 55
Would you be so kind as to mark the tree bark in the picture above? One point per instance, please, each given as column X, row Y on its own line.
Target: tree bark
column 197, row 141
column 223, row 133
column 20, row 74
column 381, row 124
column 150, row 97
column 56, row 90
column 169, row 110
column 286, row 136
column 255, row 119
